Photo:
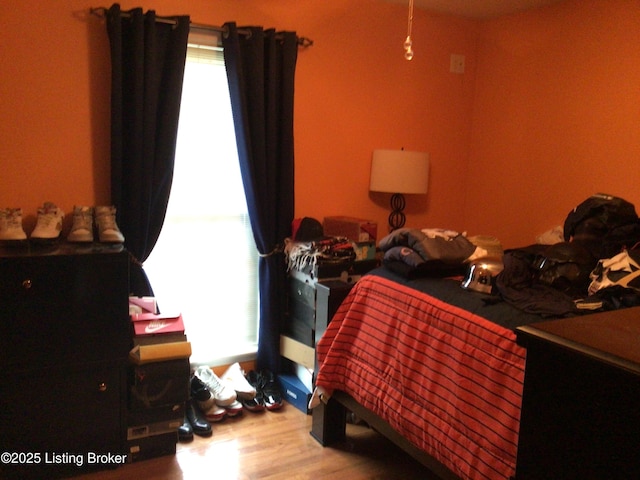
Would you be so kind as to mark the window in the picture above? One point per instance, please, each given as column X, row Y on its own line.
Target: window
column 205, row 264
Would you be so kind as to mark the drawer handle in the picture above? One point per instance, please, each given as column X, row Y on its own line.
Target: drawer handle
column 102, row 387
column 26, row 284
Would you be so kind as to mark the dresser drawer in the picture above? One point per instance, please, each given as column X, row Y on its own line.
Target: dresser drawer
column 63, row 309
column 64, row 341
column 302, row 293
column 71, row 410
column 330, row 295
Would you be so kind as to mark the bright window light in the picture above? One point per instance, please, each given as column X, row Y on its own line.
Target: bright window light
column 205, row 264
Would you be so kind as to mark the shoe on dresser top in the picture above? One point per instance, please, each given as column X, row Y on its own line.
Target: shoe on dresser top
column 47, row 230
column 11, row 226
column 49, row 225
column 103, row 218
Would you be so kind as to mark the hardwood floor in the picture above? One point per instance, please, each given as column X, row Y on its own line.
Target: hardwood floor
column 275, row 445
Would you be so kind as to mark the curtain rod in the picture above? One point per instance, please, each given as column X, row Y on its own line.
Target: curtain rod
column 303, row 42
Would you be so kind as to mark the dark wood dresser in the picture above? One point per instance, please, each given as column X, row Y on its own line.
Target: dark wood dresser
column 581, row 401
column 64, row 341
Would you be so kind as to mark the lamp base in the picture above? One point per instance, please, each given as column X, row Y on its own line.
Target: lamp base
column 397, row 217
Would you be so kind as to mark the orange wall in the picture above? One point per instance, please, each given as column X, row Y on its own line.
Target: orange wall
column 546, row 114
column 556, row 116
column 354, row 93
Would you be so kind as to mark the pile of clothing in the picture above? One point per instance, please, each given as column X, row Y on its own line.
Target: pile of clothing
column 430, row 251
column 596, row 267
column 308, row 246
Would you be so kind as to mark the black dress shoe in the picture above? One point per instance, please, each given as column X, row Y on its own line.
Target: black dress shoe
column 185, row 432
column 198, row 422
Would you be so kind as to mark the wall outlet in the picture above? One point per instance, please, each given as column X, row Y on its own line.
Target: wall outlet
column 457, row 63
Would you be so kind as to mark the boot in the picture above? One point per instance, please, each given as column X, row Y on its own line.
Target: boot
column 11, row 226
column 49, row 223
column 185, row 431
column 199, row 424
column 82, row 228
column 108, row 231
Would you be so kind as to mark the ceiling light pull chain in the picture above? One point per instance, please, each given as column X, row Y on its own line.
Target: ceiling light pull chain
column 408, row 43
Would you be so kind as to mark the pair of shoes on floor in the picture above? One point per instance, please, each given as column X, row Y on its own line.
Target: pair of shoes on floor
column 104, row 219
column 194, row 422
column 47, row 229
column 215, row 399
column 268, row 393
column 246, row 393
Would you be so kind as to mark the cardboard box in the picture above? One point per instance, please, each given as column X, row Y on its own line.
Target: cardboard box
column 159, row 352
column 157, row 428
column 365, row 251
column 161, row 338
column 355, row 229
column 143, row 304
column 156, row 324
column 161, row 383
column 305, row 375
column 151, row 447
column 297, row 351
column 153, row 415
column 295, row 392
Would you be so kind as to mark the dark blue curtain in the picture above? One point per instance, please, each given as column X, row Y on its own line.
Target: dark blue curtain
column 148, row 56
column 261, row 69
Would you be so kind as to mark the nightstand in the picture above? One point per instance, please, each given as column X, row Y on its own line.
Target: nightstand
column 580, row 408
column 314, row 296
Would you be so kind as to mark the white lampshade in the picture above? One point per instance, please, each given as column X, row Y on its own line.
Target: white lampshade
column 399, row 171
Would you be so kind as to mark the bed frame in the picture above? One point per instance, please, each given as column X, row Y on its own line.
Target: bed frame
column 329, row 420
column 329, row 427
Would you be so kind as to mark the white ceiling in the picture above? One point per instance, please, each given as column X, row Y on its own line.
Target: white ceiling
column 476, row 8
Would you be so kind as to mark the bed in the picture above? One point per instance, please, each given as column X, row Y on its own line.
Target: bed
column 436, row 367
column 432, row 366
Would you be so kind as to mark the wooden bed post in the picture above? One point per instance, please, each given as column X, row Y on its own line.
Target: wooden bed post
column 329, row 423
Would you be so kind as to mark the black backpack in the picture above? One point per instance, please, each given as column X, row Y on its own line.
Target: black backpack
column 604, row 224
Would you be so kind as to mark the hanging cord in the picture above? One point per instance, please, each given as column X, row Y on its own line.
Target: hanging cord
column 101, row 12
column 408, row 43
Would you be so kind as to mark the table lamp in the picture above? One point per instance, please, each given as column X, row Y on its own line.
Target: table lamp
column 399, row 172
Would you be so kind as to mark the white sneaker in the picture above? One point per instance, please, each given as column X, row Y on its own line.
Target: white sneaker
column 223, row 395
column 234, row 377
column 49, row 223
column 108, row 231
column 82, row 228
column 205, row 400
column 215, row 413
column 11, row 225
column 234, row 409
